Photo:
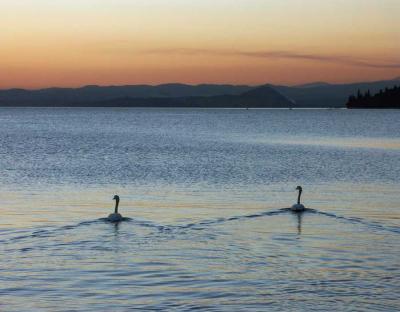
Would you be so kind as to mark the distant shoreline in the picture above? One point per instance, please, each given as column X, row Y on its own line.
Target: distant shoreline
column 318, row 95
column 182, row 108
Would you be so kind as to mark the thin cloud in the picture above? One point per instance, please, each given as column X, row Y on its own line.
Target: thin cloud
column 345, row 60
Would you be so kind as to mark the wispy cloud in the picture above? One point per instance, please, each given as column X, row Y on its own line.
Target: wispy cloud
column 345, row 60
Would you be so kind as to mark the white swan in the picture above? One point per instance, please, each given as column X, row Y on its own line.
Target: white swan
column 298, row 207
column 115, row 217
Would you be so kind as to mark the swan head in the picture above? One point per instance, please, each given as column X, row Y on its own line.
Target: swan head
column 298, row 206
column 116, row 198
column 115, row 217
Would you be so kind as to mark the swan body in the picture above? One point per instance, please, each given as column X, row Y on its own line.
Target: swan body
column 115, row 217
column 298, row 207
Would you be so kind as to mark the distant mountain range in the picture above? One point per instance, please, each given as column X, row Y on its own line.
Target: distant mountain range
column 319, row 94
column 259, row 97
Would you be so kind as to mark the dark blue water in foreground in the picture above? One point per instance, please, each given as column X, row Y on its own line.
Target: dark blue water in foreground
column 205, row 192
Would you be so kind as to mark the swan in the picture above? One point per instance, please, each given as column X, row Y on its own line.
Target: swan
column 115, row 217
column 298, row 207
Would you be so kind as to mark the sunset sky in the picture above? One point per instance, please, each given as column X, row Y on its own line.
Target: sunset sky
column 78, row 42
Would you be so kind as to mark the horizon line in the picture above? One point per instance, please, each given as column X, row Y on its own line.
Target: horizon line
column 197, row 84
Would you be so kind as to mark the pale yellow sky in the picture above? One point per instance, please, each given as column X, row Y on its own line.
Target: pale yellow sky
column 77, row 42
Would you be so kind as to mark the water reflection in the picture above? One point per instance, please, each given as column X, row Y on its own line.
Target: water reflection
column 299, row 216
column 376, row 143
column 116, row 227
column 203, row 188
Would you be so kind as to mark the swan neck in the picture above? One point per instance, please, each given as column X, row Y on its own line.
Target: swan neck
column 116, row 205
column 298, row 198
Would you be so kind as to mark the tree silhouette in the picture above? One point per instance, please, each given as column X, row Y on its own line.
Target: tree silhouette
column 390, row 98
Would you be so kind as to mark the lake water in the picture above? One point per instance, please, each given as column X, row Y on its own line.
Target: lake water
column 205, row 191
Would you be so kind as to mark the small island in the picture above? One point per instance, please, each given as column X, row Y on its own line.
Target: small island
column 385, row 99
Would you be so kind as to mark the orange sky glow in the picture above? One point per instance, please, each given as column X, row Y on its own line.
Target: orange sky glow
column 72, row 43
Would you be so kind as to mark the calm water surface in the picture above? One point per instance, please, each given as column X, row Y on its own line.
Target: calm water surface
column 205, row 191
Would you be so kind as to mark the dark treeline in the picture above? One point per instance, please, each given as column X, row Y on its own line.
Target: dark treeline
column 388, row 98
